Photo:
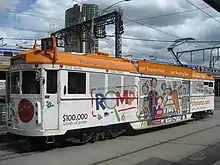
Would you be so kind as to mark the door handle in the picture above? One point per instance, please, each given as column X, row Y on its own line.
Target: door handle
column 64, row 90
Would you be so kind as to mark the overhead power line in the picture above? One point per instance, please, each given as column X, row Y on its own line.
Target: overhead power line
column 150, row 40
column 126, row 38
column 202, row 11
column 165, row 41
column 48, row 18
column 170, row 14
column 135, row 21
column 33, row 15
column 136, row 50
column 141, row 24
column 152, row 28
column 24, row 29
column 168, row 41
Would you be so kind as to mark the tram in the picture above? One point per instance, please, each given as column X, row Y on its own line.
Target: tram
column 55, row 96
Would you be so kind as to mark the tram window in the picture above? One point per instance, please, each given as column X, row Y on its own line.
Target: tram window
column 114, row 80
column 15, row 83
column 8, row 54
column 51, row 81
column 97, row 84
column 210, row 84
column 76, row 83
column 29, row 84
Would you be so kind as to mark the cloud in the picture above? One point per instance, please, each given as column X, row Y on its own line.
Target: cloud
column 45, row 16
column 9, row 4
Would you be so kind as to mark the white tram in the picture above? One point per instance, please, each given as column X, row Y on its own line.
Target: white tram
column 59, row 95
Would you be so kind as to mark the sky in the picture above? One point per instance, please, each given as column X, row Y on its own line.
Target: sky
column 34, row 19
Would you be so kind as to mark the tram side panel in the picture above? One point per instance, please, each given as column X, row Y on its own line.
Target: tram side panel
column 202, row 98
column 162, row 101
column 96, row 99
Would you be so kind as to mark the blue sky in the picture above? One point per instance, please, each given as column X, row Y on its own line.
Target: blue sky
column 27, row 18
column 24, row 5
column 8, row 16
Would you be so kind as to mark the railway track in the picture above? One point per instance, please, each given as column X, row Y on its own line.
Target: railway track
column 13, row 150
column 154, row 145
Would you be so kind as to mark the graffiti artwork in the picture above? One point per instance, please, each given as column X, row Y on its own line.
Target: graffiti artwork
column 114, row 101
column 163, row 101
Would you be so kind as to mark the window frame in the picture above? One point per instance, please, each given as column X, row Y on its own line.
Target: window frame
column 85, row 82
column 19, row 72
column 21, row 81
column 46, row 89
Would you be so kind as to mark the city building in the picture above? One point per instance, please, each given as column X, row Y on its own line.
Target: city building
column 74, row 15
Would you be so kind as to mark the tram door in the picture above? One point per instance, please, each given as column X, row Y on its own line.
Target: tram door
column 51, row 111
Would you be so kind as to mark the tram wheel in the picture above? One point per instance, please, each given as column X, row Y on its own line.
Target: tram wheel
column 93, row 138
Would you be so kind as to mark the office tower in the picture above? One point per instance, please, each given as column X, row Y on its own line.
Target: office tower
column 75, row 15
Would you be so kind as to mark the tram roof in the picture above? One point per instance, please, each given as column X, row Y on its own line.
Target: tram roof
column 104, row 61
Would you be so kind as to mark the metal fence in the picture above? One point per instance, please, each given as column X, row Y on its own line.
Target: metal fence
column 3, row 110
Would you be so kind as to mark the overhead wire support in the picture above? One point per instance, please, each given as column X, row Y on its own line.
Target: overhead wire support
column 64, row 35
column 175, row 44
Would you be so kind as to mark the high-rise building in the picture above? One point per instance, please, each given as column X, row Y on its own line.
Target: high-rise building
column 75, row 15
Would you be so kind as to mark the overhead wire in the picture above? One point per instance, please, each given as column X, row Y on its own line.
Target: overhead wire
column 135, row 21
column 33, row 30
column 135, row 50
column 33, row 15
column 128, row 38
column 111, row 38
column 167, row 41
column 170, row 14
column 24, row 29
column 202, row 11
column 139, row 23
column 148, row 26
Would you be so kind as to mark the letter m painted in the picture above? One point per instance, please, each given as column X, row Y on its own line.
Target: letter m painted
column 122, row 98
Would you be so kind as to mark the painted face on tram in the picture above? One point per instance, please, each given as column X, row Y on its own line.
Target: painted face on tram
column 174, row 84
column 169, row 91
column 145, row 88
column 154, row 83
column 163, row 87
